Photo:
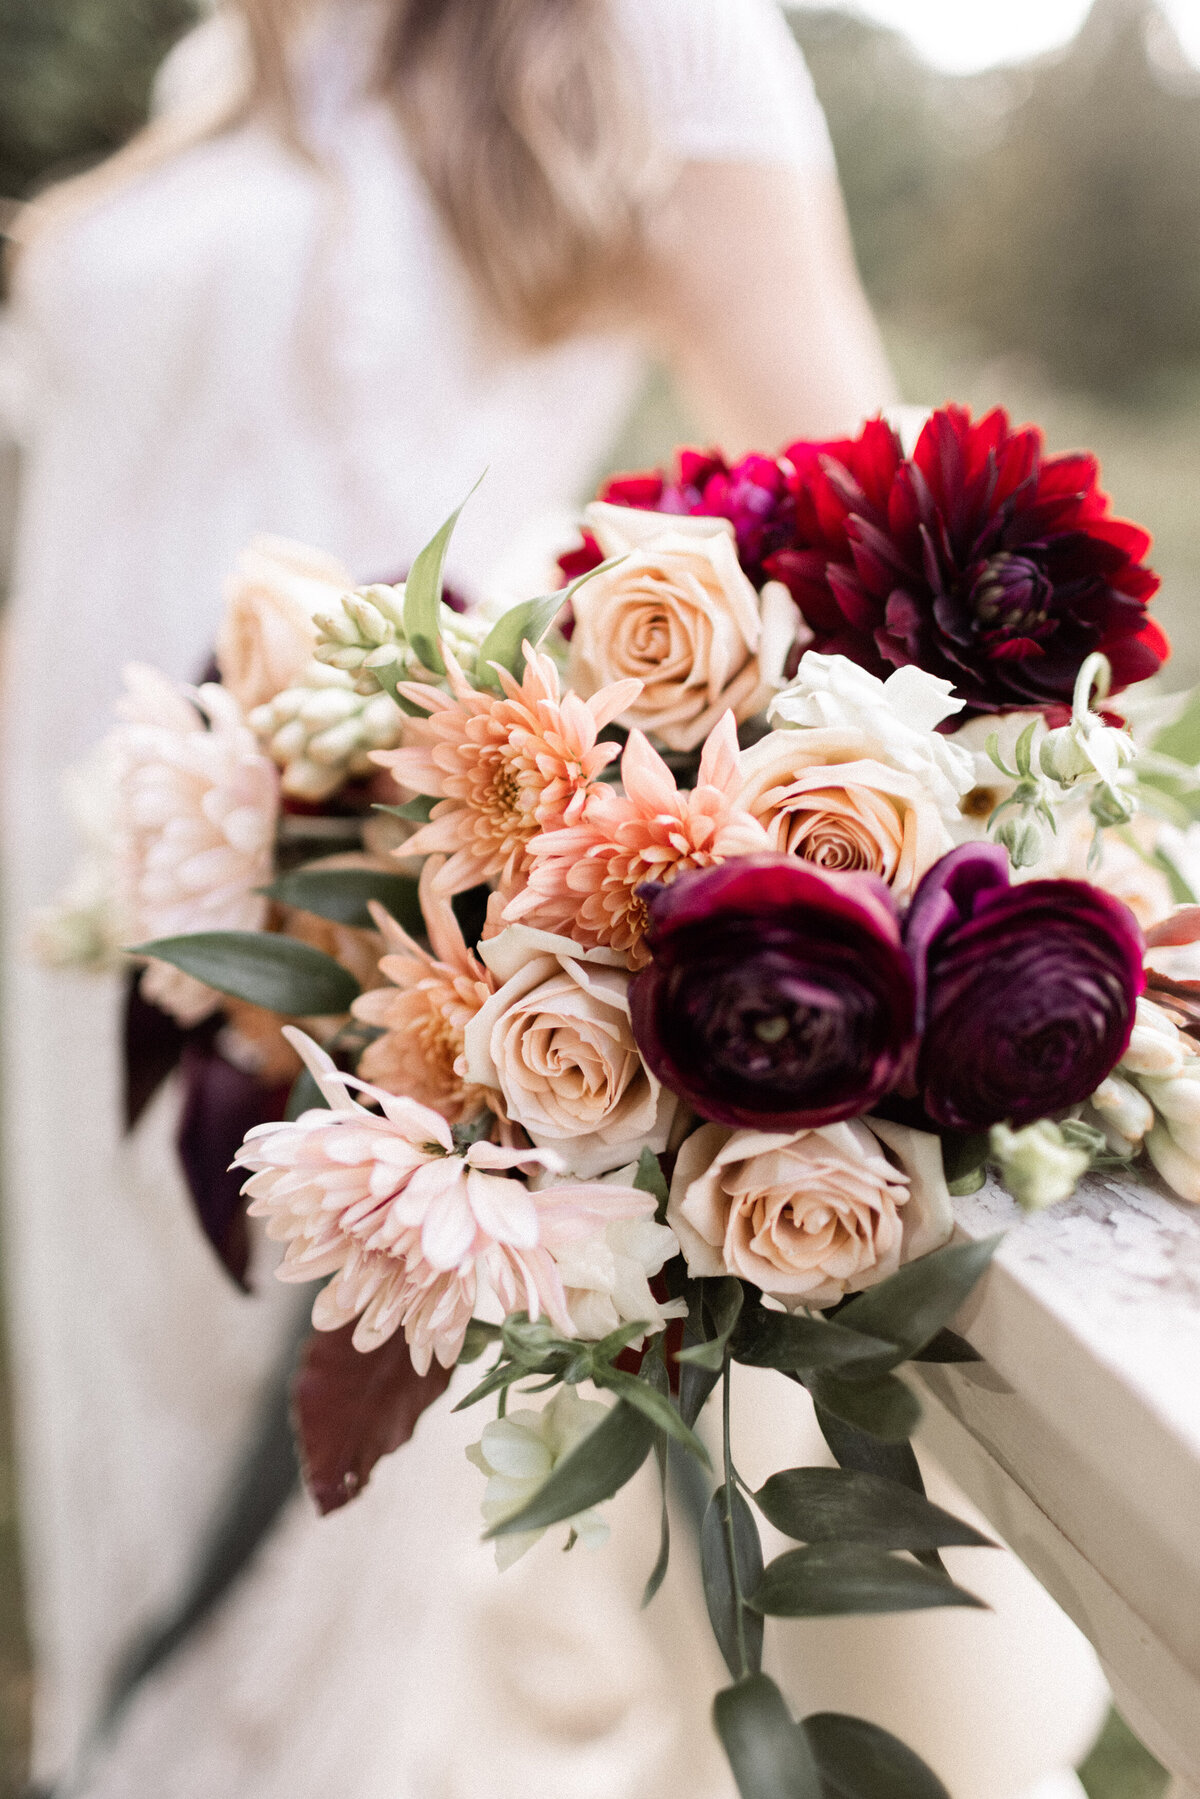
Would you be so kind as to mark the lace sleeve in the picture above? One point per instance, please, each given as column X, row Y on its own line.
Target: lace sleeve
column 726, row 82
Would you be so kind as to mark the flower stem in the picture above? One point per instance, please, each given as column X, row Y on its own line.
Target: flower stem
column 739, row 1604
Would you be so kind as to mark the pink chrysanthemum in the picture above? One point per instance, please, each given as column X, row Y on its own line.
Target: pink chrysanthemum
column 582, row 880
column 412, row 1232
column 425, row 1010
column 503, row 768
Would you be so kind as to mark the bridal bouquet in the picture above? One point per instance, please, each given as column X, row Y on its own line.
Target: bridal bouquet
column 660, row 956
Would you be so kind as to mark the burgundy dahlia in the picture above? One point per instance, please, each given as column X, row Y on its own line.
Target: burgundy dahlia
column 979, row 559
column 753, row 494
column 778, row 997
column 1025, row 994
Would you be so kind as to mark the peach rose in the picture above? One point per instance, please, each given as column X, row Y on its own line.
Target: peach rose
column 826, row 796
column 812, row 1216
column 267, row 635
column 679, row 615
column 557, row 1042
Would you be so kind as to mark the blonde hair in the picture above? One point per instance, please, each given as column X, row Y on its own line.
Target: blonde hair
column 525, row 123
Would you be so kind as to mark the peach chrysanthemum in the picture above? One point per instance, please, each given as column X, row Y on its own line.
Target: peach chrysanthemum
column 425, row 1010
column 583, row 880
column 502, row 767
column 412, row 1232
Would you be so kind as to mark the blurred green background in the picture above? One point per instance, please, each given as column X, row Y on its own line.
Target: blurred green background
column 1029, row 236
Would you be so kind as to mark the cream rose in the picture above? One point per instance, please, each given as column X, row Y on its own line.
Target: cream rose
column 556, row 1040
column 267, row 635
column 812, row 1216
column 827, row 797
column 679, row 615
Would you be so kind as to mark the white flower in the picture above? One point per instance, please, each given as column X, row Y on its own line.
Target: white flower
column 267, row 633
column 556, row 1040
column 1152, row 1100
column 899, row 715
column 520, row 1452
column 322, row 730
column 607, row 1276
column 1037, row 1164
column 194, row 830
column 81, row 928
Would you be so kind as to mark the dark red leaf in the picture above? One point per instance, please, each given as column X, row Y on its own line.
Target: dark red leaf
column 153, row 1044
column 351, row 1408
column 221, row 1103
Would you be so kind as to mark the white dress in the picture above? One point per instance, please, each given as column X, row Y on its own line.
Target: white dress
column 228, row 345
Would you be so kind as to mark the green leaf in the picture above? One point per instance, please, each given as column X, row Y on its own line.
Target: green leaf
column 595, row 1469
column 858, row 1760
column 266, row 970
column 841, row 1580
column 801, row 1342
column 478, row 1340
column 653, row 1405
column 947, row 1346
column 882, row 1408
column 855, row 1449
column 723, row 1304
column 416, row 812
column 1182, row 739
column 769, row 1754
column 423, row 595
column 526, row 623
column 838, row 1505
column 719, row 1595
column 305, row 1096
column 914, row 1304
column 654, row 1370
column 341, row 894
column 695, row 1384
column 650, row 1179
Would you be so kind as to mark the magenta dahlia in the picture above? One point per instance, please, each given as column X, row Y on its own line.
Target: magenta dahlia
column 755, row 495
column 978, row 559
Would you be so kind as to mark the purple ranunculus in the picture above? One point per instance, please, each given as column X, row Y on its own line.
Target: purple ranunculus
column 778, row 997
column 1025, row 994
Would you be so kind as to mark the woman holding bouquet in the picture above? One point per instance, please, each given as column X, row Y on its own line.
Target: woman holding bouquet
column 367, row 249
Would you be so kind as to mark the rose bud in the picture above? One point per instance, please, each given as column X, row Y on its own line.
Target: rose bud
column 1025, row 994
column 778, row 996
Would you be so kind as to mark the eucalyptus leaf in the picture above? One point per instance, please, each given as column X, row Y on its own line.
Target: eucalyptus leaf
column 654, row 1371
column 653, row 1405
column 423, row 595
column 854, row 1448
column 595, row 1469
column 769, row 1754
column 695, row 1384
column 799, row 1341
column 858, row 1760
column 305, row 1096
column 414, row 812
column 883, row 1407
column 267, row 970
column 916, row 1302
column 526, row 623
column 479, row 1338
column 719, row 1595
column 841, row 1580
column 722, row 1304
column 650, row 1179
column 838, row 1505
column 342, row 895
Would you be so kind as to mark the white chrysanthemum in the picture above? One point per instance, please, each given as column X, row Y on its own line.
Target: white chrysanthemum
column 520, row 1452
column 900, row 714
column 321, row 731
column 194, row 828
column 414, row 1233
